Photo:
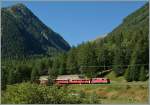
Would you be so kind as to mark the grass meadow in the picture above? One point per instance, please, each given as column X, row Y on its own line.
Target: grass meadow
column 118, row 91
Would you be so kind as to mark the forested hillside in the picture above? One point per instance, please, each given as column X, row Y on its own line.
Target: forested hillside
column 125, row 50
column 23, row 34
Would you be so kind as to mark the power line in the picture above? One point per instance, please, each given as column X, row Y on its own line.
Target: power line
column 117, row 65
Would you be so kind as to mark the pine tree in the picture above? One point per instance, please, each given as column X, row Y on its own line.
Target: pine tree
column 11, row 76
column 118, row 58
column 54, row 71
column 62, row 65
column 35, row 74
column 128, row 75
column 42, row 66
column 135, row 61
column 23, row 72
column 3, row 78
column 142, row 74
column 52, row 75
column 72, row 66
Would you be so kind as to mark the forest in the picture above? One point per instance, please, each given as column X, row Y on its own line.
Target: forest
column 125, row 51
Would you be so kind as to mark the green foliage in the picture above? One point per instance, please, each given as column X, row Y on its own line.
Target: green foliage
column 93, row 98
column 72, row 66
column 26, row 93
column 35, row 74
column 143, row 74
column 62, row 66
column 87, row 57
column 128, row 74
column 118, row 57
column 3, row 78
column 23, row 72
column 18, row 73
column 53, row 71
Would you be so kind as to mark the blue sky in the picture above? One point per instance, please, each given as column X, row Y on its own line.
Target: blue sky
column 81, row 21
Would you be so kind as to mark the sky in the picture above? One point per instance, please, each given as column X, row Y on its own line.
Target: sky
column 81, row 21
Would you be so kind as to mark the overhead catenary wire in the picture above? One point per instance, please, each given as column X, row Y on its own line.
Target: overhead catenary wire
column 117, row 65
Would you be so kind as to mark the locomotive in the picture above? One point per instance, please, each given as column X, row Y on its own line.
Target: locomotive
column 83, row 81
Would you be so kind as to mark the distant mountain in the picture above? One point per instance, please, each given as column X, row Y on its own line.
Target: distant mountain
column 23, row 34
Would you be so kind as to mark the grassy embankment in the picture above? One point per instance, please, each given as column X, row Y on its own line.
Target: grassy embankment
column 118, row 91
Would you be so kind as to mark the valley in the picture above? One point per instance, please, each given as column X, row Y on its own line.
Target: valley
column 31, row 50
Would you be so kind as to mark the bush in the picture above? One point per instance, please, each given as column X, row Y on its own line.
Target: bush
column 93, row 98
column 27, row 93
column 128, row 87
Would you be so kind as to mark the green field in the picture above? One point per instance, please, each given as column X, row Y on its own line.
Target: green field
column 115, row 93
column 118, row 91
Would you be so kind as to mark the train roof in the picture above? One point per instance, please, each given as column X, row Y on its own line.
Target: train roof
column 99, row 78
column 63, row 77
column 66, row 77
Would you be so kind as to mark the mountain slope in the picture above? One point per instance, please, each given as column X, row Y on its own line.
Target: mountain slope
column 133, row 32
column 128, row 44
column 24, row 34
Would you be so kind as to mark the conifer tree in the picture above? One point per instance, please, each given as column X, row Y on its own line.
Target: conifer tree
column 11, row 76
column 53, row 71
column 35, row 74
column 142, row 74
column 62, row 65
column 3, row 78
column 128, row 75
column 72, row 66
column 118, row 57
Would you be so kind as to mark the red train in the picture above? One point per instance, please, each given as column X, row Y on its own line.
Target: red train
column 84, row 81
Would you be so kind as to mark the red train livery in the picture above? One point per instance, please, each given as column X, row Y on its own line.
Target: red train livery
column 83, row 81
column 100, row 80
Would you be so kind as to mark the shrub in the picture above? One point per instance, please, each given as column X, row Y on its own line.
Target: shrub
column 27, row 93
column 128, row 87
